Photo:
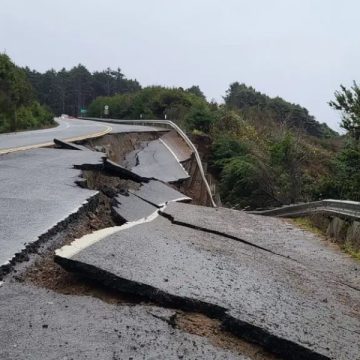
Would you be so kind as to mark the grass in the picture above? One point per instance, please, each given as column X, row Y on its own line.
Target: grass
column 349, row 250
column 306, row 223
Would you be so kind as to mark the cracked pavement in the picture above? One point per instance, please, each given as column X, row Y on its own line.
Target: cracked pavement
column 25, row 177
column 262, row 280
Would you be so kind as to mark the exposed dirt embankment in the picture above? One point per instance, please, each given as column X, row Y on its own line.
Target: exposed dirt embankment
column 194, row 187
column 118, row 146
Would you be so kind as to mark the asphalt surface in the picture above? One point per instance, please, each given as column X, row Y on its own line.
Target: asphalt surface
column 263, row 296
column 43, row 324
column 37, row 191
column 131, row 208
column 144, row 201
column 157, row 161
column 158, row 193
column 274, row 234
column 67, row 128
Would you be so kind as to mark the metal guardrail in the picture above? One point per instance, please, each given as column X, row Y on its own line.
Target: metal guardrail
column 177, row 129
column 341, row 208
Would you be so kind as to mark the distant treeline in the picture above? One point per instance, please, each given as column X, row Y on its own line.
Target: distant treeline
column 70, row 91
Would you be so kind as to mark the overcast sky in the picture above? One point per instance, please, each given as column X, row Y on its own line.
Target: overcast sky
column 299, row 50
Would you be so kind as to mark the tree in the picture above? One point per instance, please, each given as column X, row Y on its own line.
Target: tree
column 348, row 101
column 195, row 89
column 200, row 118
column 18, row 109
column 255, row 105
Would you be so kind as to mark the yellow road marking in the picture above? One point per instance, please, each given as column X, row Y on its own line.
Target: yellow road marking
column 76, row 138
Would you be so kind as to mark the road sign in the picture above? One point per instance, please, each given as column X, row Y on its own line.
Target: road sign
column 106, row 110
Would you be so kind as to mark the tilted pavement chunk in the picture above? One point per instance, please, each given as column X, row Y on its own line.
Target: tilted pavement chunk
column 274, row 234
column 158, row 162
column 158, row 193
column 132, row 208
column 143, row 202
column 41, row 324
column 260, row 296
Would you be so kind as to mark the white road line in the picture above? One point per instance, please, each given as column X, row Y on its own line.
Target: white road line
column 69, row 251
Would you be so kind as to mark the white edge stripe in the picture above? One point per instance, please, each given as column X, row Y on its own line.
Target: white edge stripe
column 169, row 148
column 185, row 198
column 68, row 251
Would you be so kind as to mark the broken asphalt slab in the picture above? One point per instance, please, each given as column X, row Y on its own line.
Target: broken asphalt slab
column 55, row 326
column 158, row 193
column 131, row 208
column 260, row 296
column 119, row 170
column 273, row 234
column 38, row 192
column 140, row 203
column 157, row 161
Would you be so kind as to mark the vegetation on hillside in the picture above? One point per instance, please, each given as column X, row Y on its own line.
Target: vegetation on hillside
column 254, row 104
column 18, row 107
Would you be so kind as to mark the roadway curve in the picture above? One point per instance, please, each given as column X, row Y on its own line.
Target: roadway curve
column 68, row 129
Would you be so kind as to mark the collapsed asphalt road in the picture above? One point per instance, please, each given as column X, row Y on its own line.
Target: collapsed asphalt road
column 38, row 190
column 171, row 280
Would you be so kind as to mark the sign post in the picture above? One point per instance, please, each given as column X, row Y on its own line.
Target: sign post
column 106, row 110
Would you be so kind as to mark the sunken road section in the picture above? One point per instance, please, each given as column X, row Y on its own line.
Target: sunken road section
column 259, row 295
